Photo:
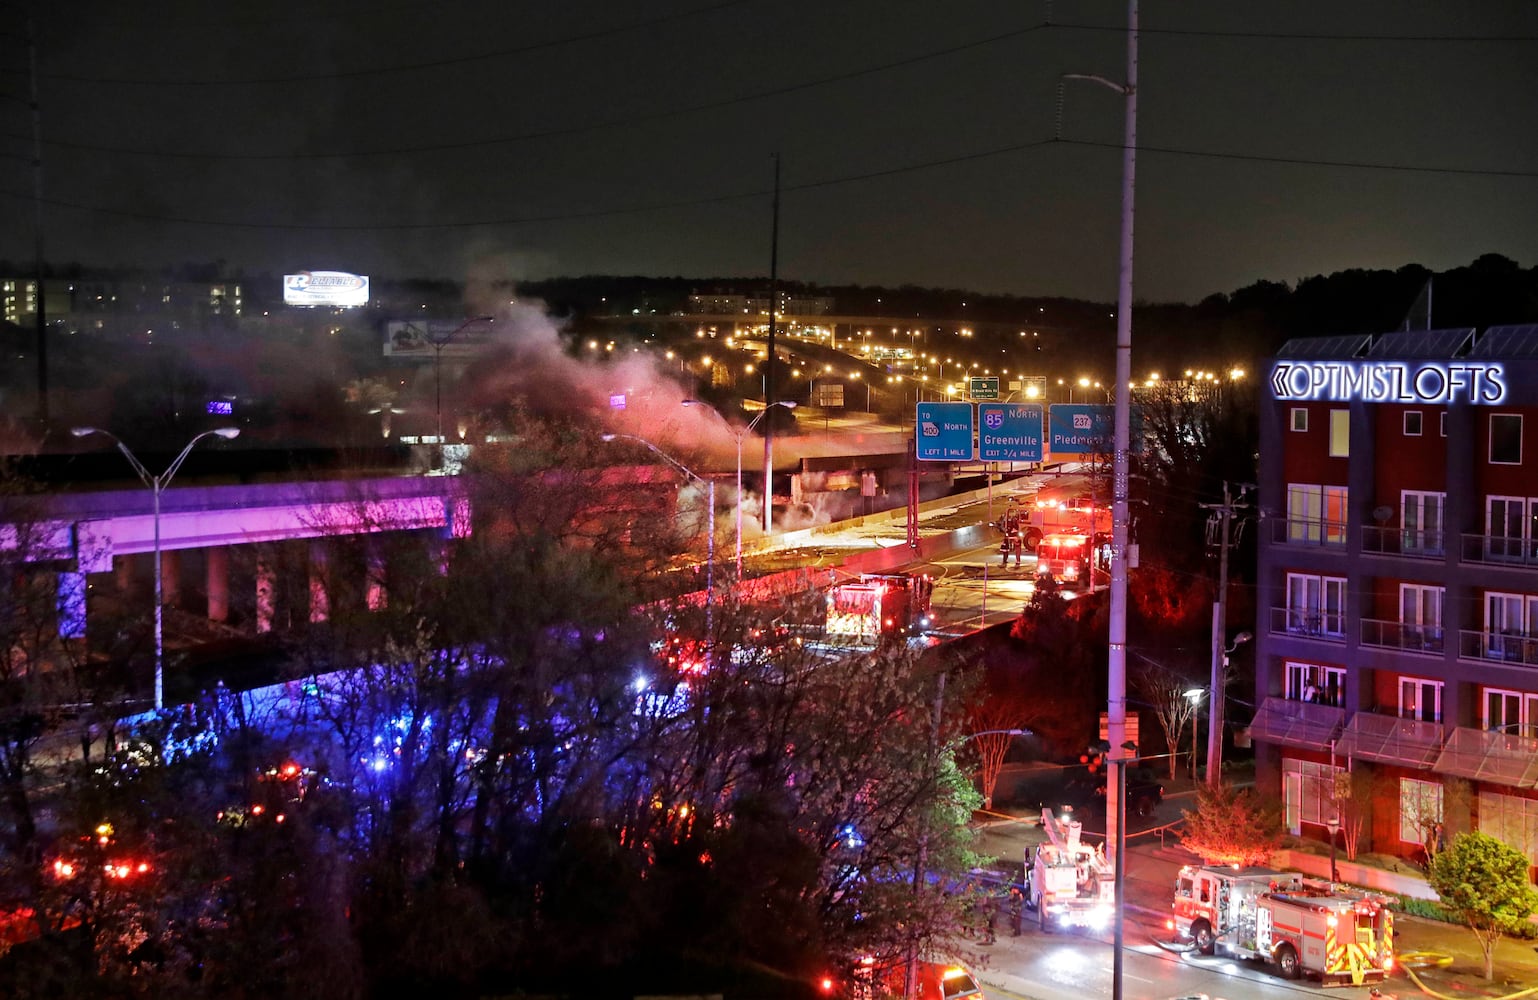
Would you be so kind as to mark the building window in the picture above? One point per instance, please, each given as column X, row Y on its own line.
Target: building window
column 1316, row 683
column 1421, row 516
column 1443, row 422
column 1420, row 616
column 1316, row 605
column 1299, row 418
column 1509, row 623
column 1412, row 423
column 1511, row 528
column 1513, row 712
column 1308, row 792
column 1316, row 513
column 1505, row 439
column 1420, row 810
column 1511, row 819
column 1420, row 699
column 1340, row 433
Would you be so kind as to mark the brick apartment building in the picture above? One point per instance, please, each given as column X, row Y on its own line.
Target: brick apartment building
column 1397, row 632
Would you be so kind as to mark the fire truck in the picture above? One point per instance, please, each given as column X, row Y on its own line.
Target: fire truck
column 879, row 605
column 1066, row 504
column 1069, row 883
column 1298, row 926
column 1071, row 557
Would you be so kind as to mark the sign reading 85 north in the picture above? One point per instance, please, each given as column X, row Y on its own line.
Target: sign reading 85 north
column 943, row 432
column 1009, row 432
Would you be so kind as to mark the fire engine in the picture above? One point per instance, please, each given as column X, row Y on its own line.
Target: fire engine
column 1066, row 504
column 878, row 605
column 1070, row 557
column 1342, row 936
column 1069, row 882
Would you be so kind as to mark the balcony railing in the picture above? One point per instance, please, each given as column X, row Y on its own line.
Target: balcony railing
column 1308, row 531
column 1381, row 541
column 1503, row 647
column 1329, row 626
column 1499, row 550
column 1402, row 635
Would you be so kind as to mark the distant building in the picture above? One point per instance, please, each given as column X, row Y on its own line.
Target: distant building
column 731, row 304
column 1398, row 585
column 104, row 303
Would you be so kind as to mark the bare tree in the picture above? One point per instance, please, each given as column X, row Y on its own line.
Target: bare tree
column 1165, row 689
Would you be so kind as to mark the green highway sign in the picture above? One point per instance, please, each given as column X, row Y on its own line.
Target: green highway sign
column 983, row 387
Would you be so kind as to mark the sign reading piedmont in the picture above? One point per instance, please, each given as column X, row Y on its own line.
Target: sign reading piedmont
column 1009, row 432
column 944, row 432
column 1080, row 429
column 1389, row 381
column 983, row 386
column 325, row 288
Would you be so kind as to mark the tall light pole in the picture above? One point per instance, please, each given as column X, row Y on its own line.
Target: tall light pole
column 1116, row 669
column 439, row 343
column 156, row 485
column 789, row 404
column 1195, row 695
column 710, row 529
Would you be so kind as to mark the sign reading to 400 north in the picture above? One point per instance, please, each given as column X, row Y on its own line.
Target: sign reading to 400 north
column 1080, row 429
column 1009, row 432
column 944, row 432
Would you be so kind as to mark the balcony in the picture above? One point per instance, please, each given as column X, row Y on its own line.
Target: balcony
column 1381, row 541
column 1498, row 550
column 1502, row 647
column 1392, row 740
column 1328, row 626
column 1402, row 635
column 1481, row 755
column 1297, row 723
column 1308, row 531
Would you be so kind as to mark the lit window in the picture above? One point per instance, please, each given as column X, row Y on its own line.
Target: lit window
column 1420, row 810
column 1340, row 433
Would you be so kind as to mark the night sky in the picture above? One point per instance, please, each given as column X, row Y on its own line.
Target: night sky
column 918, row 139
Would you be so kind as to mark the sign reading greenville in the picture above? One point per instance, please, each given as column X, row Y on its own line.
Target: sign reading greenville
column 1390, row 381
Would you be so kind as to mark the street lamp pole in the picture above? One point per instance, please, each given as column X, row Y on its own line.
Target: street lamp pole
column 710, row 536
column 156, row 485
column 439, row 343
column 1333, row 824
column 789, row 404
column 1195, row 694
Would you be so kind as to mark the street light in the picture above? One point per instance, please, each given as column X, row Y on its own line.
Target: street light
column 1195, row 694
column 789, row 404
column 439, row 343
column 157, row 484
column 710, row 537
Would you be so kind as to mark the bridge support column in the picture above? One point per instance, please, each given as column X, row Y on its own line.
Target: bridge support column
column 320, row 601
column 266, row 595
column 71, row 605
column 377, row 596
column 218, row 584
column 170, row 578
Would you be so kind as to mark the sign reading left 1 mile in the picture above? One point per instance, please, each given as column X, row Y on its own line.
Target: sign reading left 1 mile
column 944, row 432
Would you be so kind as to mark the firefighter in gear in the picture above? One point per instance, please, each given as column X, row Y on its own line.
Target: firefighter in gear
column 1013, row 530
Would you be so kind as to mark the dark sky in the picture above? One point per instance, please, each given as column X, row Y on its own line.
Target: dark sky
column 535, row 138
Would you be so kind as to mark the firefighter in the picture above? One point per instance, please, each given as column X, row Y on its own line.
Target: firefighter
column 1013, row 541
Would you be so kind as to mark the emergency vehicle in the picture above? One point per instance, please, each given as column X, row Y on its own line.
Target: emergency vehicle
column 1069, row 883
column 1071, row 558
column 1299, row 926
column 878, row 605
column 933, row 981
column 1066, row 504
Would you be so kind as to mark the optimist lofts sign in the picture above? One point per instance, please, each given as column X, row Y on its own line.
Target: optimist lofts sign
column 325, row 288
column 1430, row 382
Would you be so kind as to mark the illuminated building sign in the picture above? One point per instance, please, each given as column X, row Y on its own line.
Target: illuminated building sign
column 221, row 407
column 325, row 288
column 1432, row 382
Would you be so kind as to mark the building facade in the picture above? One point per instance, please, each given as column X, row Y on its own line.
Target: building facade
column 1397, row 640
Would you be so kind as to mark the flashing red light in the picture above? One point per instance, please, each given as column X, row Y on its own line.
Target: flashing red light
column 257, row 809
column 143, row 867
column 827, row 984
column 289, row 770
column 63, row 869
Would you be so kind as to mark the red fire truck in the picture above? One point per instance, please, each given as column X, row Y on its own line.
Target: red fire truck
column 1071, row 558
column 1297, row 926
column 1066, row 504
column 878, row 605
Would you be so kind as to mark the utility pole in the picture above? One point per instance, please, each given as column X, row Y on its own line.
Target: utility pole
column 37, row 207
column 1222, row 515
column 774, row 304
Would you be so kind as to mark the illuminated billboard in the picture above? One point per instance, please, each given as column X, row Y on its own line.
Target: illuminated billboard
column 325, row 288
column 1430, row 382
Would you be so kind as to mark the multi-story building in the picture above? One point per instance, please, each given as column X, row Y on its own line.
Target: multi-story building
column 1398, row 586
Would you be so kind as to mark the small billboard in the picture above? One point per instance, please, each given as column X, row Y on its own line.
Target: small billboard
column 325, row 288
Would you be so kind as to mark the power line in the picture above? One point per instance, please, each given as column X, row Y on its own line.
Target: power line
column 1297, row 36
column 1307, row 162
column 569, row 130
column 586, row 36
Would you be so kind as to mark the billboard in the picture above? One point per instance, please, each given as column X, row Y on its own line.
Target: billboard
column 325, row 288
column 423, row 339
